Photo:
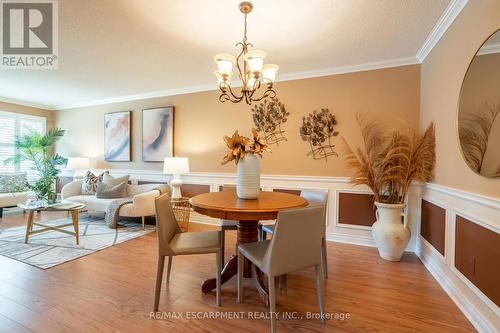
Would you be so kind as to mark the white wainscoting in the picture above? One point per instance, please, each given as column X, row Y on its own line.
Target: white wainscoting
column 485, row 211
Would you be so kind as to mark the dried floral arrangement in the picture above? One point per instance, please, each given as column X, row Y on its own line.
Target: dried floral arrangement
column 238, row 146
column 318, row 128
column 474, row 129
column 268, row 117
column 390, row 161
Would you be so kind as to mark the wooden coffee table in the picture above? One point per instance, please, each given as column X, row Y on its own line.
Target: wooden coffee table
column 66, row 206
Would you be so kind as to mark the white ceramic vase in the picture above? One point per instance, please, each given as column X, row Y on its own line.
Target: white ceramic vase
column 390, row 232
column 248, row 177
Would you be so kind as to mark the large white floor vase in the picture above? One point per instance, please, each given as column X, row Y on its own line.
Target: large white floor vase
column 248, row 177
column 390, row 232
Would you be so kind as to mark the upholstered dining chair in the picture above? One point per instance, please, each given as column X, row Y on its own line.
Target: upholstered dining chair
column 289, row 240
column 314, row 197
column 173, row 242
column 227, row 224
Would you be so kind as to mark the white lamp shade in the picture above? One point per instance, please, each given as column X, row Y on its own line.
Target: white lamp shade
column 78, row 163
column 224, row 63
column 255, row 60
column 176, row 165
column 269, row 72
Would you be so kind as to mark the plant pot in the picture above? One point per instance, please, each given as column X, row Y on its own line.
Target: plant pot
column 390, row 232
column 248, row 177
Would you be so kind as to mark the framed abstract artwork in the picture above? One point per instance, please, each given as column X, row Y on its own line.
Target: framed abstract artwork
column 157, row 134
column 117, row 146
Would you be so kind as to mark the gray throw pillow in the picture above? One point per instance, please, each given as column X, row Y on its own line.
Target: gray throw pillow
column 110, row 180
column 90, row 183
column 107, row 191
column 13, row 182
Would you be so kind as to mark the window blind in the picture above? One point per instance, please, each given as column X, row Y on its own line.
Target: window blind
column 12, row 125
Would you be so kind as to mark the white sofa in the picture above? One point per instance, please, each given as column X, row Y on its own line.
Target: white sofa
column 142, row 205
column 8, row 200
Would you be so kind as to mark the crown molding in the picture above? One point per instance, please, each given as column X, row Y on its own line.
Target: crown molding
column 489, row 49
column 451, row 12
column 135, row 97
column 349, row 69
column 209, row 87
column 26, row 103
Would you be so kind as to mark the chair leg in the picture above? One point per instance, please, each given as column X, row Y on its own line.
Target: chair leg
column 260, row 232
column 169, row 268
column 272, row 303
column 143, row 218
column 159, row 276
column 319, row 292
column 241, row 259
column 282, row 282
column 324, row 258
column 223, row 242
column 218, row 276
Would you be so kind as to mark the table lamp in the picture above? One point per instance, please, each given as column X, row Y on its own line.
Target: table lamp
column 176, row 166
column 79, row 165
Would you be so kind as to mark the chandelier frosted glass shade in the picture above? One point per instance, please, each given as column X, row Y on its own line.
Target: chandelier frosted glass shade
column 250, row 70
column 269, row 72
column 225, row 63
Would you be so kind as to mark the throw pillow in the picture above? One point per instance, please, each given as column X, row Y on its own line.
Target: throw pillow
column 13, row 182
column 108, row 179
column 107, row 191
column 90, row 183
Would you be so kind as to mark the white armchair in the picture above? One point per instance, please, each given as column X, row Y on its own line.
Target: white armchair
column 142, row 205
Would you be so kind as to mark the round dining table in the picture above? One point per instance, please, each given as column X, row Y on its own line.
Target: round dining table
column 226, row 205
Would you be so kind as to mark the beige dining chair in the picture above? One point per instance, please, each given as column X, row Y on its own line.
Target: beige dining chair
column 273, row 257
column 173, row 242
column 314, row 197
column 227, row 224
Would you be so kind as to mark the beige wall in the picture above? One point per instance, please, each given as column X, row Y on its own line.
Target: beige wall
column 442, row 73
column 201, row 121
column 9, row 107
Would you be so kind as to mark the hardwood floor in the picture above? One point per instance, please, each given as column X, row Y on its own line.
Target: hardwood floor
column 112, row 291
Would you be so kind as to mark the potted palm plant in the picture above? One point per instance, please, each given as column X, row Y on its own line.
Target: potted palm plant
column 388, row 164
column 38, row 149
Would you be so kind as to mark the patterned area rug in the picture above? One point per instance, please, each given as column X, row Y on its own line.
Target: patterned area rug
column 51, row 248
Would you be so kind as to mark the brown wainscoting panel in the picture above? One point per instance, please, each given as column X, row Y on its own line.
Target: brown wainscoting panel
column 433, row 225
column 356, row 209
column 227, row 187
column 477, row 256
column 61, row 181
column 190, row 190
column 287, row 190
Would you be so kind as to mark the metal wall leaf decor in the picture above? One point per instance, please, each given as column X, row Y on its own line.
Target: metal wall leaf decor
column 268, row 117
column 318, row 128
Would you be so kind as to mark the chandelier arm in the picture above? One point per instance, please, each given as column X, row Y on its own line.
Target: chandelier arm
column 243, row 51
column 268, row 93
column 236, row 98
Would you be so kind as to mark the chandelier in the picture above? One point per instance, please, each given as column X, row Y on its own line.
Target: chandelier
column 251, row 70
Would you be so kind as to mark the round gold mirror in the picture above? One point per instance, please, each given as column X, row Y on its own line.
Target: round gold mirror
column 479, row 110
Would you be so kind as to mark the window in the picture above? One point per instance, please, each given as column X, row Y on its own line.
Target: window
column 11, row 125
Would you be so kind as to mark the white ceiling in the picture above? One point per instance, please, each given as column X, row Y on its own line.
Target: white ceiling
column 117, row 49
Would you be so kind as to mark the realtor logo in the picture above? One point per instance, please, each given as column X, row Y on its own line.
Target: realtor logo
column 29, row 34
